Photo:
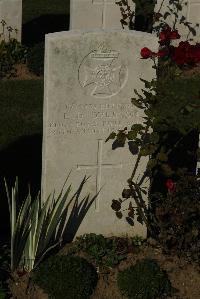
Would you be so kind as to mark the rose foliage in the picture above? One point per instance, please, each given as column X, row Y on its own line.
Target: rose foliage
column 170, row 103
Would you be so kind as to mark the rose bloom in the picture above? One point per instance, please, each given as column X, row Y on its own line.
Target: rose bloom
column 162, row 53
column 146, row 53
column 193, row 54
column 186, row 53
column 167, row 34
column 180, row 53
column 174, row 35
column 170, row 185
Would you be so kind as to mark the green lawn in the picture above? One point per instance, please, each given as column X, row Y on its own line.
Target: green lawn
column 21, row 109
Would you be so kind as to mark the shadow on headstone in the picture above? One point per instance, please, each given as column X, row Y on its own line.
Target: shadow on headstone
column 22, row 158
column 77, row 214
column 33, row 32
column 74, row 217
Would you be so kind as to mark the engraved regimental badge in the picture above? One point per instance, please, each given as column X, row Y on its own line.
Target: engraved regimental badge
column 102, row 73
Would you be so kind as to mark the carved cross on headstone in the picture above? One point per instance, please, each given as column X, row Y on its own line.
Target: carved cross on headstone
column 98, row 166
column 104, row 4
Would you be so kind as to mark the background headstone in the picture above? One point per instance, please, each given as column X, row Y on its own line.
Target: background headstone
column 11, row 13
column 93, row 14
column 89, row 81
column 191, row 11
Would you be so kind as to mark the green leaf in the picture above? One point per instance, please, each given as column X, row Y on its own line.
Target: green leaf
column 195, row 232
column 189, row 108
column 147, row 83
column 166, row 169
column 131, row 213
column 179, row 6
column 111, row 136
column 133, row 147
column 154, row 137
column 116, row 205
column 148, row 150
column 119, row 214
column 140, row 219
column 131, row 134
column 130, row 221
column 139, row 95
column 151, row 164
column 117, row 144
column 137, row 127
column 162, row 157
column 120, row 140
column 137, row 103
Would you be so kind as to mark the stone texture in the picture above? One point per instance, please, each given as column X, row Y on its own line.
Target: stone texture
column 11, row 13
column 89, row 81
column 92, row 14
column 191, row 12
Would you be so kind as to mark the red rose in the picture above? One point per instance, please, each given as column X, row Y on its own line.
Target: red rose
column 186, row 53
column 162, row 35
column 179, row 57
column 167, row 34
column 171, row 50
column 162, row 53
column 180, row 54
column 170, row 185
column 194, row 54
column 184, row 45
column 146, row 53
column 174, row 35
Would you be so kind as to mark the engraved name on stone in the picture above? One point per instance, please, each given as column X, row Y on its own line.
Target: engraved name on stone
column 92, row 118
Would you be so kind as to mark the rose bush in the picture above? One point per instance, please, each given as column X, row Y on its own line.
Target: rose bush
column 170, row 104
column 184, row 53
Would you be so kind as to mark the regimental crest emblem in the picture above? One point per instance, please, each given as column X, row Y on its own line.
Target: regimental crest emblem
column 102, row 73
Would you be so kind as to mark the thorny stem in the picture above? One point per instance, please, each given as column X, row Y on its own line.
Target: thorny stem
column 160, row 6
column 135, row 189
column 138, row 203
column 138, row 157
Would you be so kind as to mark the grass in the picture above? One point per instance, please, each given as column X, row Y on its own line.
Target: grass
column 22, row 101
column 21, row 109
column 35, row 8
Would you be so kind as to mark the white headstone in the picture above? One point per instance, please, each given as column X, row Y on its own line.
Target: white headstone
column 89, row 81
column 191, row 11
column 11, row 13
column 93, row 14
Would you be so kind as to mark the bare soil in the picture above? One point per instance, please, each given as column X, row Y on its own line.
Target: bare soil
column 23, row 73
column 184, row 276
column 191, row 71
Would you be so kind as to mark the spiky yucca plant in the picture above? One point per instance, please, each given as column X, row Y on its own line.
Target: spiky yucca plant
column 35, row 230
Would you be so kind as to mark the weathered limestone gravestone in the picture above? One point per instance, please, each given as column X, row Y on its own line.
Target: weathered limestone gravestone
column 11, row 13
column 92, row 14
column 89, row 81
column 191, row 11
